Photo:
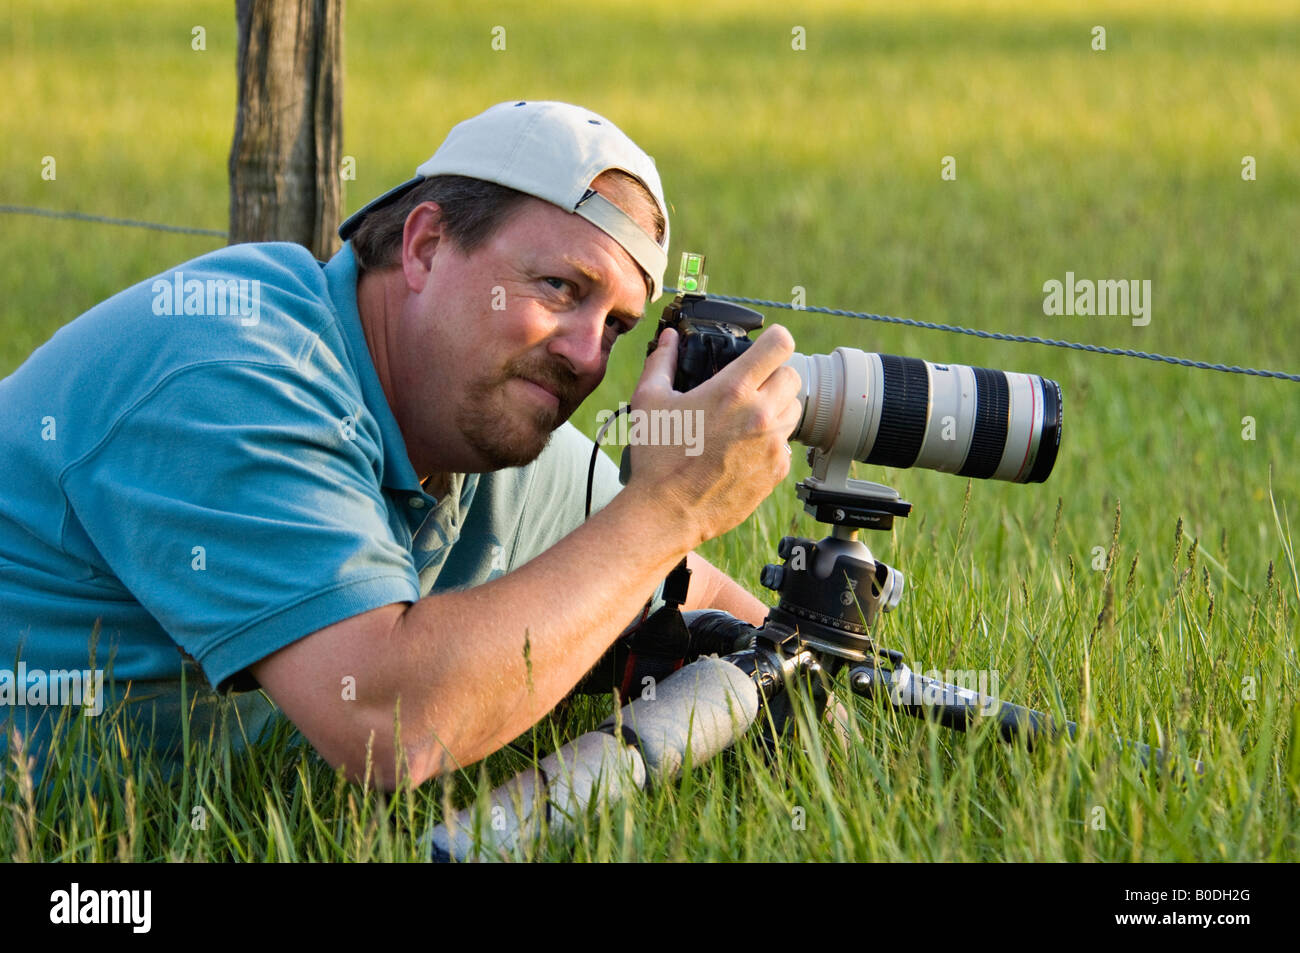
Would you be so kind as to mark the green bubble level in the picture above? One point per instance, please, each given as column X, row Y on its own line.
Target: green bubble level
column 691, row 277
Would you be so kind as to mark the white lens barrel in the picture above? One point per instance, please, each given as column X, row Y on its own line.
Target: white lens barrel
column 952, row 418
column 904, row 412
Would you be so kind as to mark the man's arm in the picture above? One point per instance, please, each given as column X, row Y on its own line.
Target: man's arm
column 472, row 669
column 465, row 672
column 711, row 588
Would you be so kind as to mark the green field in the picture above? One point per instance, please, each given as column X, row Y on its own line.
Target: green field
column 1149, row 588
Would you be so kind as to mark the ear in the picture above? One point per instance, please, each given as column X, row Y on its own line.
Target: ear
column 421, row 236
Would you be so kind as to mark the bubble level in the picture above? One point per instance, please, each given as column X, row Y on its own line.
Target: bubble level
column 691, row 277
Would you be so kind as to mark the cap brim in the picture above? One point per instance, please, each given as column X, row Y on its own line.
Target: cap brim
column 353, row 222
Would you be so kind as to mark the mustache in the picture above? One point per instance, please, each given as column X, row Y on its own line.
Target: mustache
column 555, row 376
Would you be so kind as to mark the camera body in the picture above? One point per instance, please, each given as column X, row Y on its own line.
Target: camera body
column 711, row 334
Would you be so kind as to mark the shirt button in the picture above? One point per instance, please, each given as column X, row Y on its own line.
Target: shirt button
column 416, row 503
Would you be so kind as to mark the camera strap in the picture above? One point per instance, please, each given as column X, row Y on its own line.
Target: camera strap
column 658, row 646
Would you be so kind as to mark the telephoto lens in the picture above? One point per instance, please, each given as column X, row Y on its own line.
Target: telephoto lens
column 905, row 412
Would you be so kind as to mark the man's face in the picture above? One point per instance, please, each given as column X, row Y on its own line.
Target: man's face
column 497, row 348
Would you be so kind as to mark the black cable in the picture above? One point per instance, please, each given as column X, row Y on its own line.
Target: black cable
column 595, row 449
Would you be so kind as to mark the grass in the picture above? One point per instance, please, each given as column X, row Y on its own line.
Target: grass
column 1148, row 589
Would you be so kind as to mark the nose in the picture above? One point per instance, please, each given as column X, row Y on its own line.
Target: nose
column 580, row 341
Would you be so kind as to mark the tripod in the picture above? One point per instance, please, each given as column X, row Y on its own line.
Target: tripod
column 831, row 593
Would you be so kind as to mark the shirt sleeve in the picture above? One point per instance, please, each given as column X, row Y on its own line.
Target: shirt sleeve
column 240, row 504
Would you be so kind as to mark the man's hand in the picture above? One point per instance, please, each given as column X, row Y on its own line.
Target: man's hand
column 748, row 410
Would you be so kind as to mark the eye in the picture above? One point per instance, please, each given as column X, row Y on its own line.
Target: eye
column 615, row 329
column 561, row 284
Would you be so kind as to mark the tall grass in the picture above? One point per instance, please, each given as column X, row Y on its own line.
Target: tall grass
column 1169, row 667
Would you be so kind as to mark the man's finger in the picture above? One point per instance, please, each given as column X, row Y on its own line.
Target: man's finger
column 784, row 383
column 791, row 416
column 661, row 364
column 771, row 349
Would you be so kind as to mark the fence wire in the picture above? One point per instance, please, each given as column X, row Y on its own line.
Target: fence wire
column 764, row 303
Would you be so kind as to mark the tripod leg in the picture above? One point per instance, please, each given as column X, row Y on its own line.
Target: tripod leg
column 958, row 708
column 691, row 716
column 593, row 768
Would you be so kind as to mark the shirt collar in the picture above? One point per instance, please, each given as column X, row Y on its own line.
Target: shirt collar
column 341, row 276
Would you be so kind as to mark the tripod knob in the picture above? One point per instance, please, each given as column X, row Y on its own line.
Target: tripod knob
column 772, row 576
column 785, row 548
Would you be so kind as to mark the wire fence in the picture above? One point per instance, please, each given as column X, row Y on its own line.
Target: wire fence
column 764, row 303
column 105, row 220
column 1016, row 338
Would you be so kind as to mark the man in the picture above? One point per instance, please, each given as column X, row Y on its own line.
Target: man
column 344, row 484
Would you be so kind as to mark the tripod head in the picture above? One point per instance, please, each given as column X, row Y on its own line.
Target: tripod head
column 830, row 594
column 833, row 589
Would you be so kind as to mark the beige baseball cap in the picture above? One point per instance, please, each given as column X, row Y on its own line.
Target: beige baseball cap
column 552, row 151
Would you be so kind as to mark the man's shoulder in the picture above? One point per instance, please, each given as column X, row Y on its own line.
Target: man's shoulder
column 557, row 478
column 565, row 460
column 264, row 308
column 568, row 445
column 281, row 261
column 236, row 300
column 545, row 500
column 239, row 281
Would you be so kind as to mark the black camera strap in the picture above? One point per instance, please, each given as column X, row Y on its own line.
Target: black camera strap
column 657, row 647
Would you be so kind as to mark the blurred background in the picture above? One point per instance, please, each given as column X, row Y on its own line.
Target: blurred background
column 801, row 145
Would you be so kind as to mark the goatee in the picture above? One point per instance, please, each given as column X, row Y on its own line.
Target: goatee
column 507, row 434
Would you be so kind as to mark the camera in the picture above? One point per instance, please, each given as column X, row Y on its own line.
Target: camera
column 884, row 409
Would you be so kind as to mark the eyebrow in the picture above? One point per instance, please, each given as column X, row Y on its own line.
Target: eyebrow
column 594, row 278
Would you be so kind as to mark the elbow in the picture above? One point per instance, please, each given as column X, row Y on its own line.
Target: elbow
column 377, row 750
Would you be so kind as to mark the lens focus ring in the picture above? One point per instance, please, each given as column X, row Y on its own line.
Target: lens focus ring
column 992, row 403
column 904, row 410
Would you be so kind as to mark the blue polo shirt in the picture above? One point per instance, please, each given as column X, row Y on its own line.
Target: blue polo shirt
column 203, row 469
